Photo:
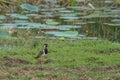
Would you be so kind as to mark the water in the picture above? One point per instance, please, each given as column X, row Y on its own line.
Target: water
column 103, row 22
column 6, row 47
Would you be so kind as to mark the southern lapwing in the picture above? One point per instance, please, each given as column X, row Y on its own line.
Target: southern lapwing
column 43, row 52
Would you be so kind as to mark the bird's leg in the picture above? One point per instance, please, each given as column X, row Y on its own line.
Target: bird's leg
column 42, row 60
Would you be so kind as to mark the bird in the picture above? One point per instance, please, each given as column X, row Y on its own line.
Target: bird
column 43, row 52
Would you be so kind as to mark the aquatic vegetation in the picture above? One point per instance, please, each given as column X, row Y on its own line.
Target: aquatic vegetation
column 4, row 34
column 7, row 26
column 51, row 22
column 68, row 27
column 70, row 18
column 63, row 34
column 51, row 14
column 29, row 7
column 2, row 17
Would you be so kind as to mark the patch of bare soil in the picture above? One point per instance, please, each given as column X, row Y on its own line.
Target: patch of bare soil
column 3, row 73
column 19, row 72
column 28, row 69
column 34, row 68
column 108, row 70
column 12, row 62
column 110, row 50
column 31, row 69
column 79, row 71
column 2, row 76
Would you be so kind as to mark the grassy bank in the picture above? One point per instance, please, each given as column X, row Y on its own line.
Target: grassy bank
column 67, row 60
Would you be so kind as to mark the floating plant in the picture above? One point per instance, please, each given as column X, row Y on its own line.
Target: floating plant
column 116, row 21
column 51, row 22
column 51, row 1
column 63, row 34
column 21, row 21
column 36, row 25
column 80, row 8
column 80, row 23
column 48, row 14
column 67, row 34
column 32, row 15
column 66, row 15
column 29, row 7
column 52, row 32
column 68, row 27
column 49, row 28
column 96, row 15
column 44, row 9
column 18, row 16
column 2, row 17
column 108, row 1
column 70, row 18
column 4, row 34
column 116, row 11
column 113, row 24
column 57, row 9
column 26, row 27
column 91, row 22
column 8, row 26
column 76, row 7
column 66, row 11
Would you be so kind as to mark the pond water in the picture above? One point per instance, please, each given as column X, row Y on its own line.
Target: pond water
column 69, row 22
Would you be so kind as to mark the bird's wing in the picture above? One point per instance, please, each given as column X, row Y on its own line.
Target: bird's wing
column 39, row 54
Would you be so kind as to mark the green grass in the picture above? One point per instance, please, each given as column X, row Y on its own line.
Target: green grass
column 66, row 60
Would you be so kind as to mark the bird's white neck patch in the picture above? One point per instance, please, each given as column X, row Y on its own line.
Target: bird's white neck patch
column 44, row 46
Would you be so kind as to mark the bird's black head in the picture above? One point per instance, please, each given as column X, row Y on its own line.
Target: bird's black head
column 46, row 45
